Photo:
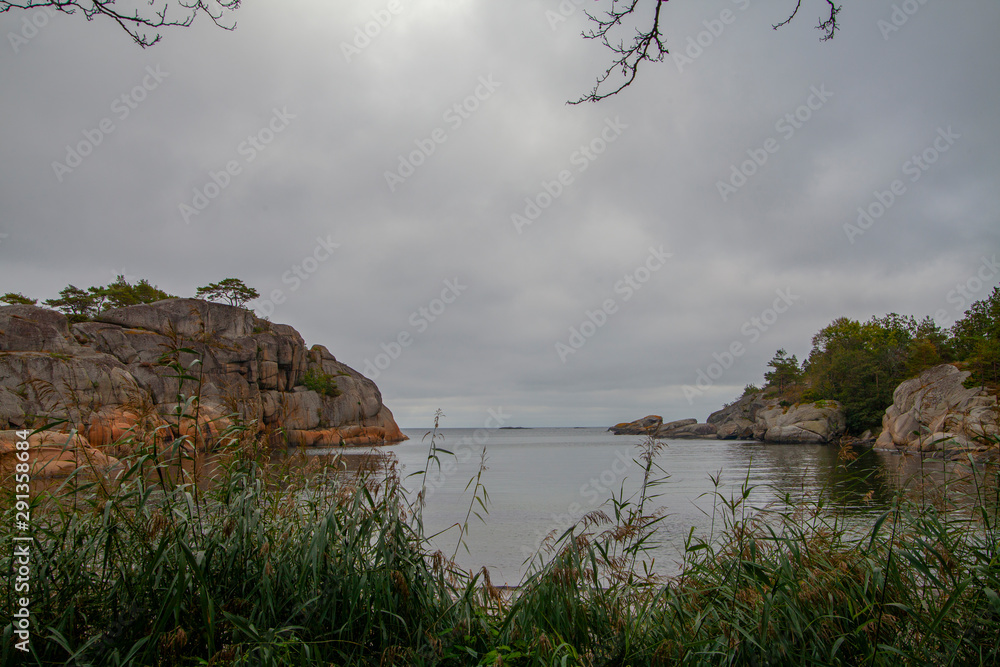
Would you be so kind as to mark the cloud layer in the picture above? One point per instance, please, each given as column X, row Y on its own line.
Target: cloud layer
column 430, row 183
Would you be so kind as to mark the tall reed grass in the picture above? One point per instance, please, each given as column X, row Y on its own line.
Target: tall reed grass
column 294, row 564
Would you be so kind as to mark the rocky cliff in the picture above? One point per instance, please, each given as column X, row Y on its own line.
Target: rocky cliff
column 107, row 375
column 936, row 412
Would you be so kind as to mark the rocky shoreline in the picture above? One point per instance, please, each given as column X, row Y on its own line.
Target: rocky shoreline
column 109, row 378
column 751, row 418
column 933, row 413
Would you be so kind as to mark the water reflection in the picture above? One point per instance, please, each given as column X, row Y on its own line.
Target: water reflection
column 543, row 480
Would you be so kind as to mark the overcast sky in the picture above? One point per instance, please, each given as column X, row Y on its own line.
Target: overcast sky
column 349, row 185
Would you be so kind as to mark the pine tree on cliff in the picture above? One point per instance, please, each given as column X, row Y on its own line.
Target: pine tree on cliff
column 17, row 299
column 786, row 371
column 233, row 290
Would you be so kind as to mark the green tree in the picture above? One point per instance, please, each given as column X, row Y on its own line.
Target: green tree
column 931, row 345
column 231, row 289
column 121, row 293
column 977, row 338
column 860, row 365
column 16, row 298
column 786, row 371
column 77, row 304
column 888, row 340
column 922, row 355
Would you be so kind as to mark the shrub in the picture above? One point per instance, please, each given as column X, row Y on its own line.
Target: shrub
column 321, row 382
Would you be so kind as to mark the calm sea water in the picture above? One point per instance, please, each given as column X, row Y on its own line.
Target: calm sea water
column 544, row 479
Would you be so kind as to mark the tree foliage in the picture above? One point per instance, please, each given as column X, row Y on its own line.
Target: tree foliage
column 84, row 304
column 120, row 293
column 78, row 304
column 233, row 290
column 860, row 365
column 144, row 20
column 977, row 338
column 16, row 298
column 786, row 371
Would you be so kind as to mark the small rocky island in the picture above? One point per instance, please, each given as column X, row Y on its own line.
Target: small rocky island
column 122, row 373
column 752, row 417
column 932, row 413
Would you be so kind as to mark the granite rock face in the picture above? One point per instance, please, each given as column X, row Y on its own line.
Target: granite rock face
column 817, row 423
column 107, row 376
column 686, row 429
column 752, row 417
column 936, row 412
column 648, row 425
column 736, row 421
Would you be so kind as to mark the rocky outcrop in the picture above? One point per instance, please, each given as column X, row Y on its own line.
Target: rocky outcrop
column 123, row 373
column 752, row 417
column 935, row 412
column 686, row 429
column 646, row 426
column 817, row 423
column 653, row 425
column 755, row 417
column 736, row 421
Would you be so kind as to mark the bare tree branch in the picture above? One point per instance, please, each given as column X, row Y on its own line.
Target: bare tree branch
column 650, row 45
column 646, row 46
column 143, row 28
column 829, row 26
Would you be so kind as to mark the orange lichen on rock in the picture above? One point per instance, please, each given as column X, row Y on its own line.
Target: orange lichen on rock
column 51, row 454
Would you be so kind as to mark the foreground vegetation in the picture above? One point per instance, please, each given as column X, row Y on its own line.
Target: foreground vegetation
column 305, row 565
